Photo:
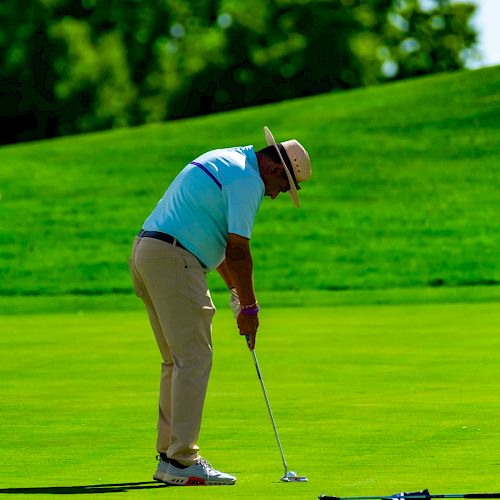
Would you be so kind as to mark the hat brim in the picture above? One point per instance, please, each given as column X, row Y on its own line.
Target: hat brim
column 293, row 190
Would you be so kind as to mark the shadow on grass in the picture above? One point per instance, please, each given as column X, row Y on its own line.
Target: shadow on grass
column 89, row 489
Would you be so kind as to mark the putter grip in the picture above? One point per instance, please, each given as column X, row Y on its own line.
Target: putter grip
column 482, row 495
column 248, row 340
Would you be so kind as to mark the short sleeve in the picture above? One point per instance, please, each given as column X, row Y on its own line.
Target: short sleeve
column 243, row 198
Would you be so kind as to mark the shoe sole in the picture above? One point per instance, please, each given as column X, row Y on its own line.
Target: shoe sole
column 188, row 481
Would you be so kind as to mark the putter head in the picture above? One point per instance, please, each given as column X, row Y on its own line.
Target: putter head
column 291, row 477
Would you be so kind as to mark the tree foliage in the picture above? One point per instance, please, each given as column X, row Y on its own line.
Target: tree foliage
column 69, row 66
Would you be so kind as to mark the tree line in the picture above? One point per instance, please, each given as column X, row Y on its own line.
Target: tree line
column 69, row 66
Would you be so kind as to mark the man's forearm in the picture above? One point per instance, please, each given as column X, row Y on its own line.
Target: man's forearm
column 239, row 265
column 225, row 274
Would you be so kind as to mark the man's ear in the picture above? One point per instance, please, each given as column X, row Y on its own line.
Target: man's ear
column 276, row 168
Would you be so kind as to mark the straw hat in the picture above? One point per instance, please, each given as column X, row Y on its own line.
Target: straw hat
column 295, row 160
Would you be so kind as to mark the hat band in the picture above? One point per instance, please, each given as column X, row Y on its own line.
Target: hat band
column 288, row 164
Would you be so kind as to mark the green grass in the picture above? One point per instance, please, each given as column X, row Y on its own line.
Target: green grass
column 405, row 193
column 268, row 299
column 367, row 399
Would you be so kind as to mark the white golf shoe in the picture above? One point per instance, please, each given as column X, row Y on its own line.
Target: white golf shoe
column 201, row 473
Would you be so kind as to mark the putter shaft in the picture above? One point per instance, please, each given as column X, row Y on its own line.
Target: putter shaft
column 269, row 409
column 288, row 477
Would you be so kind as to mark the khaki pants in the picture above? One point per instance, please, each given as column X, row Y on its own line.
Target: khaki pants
column 172, row 284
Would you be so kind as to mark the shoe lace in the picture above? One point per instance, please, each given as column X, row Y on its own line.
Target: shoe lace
column 205, row 464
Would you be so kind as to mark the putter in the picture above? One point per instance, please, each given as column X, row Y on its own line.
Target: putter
column 415, row 495
column 289, row 476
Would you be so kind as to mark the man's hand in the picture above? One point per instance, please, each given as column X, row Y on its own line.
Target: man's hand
column 234, row 302
column 248, row 325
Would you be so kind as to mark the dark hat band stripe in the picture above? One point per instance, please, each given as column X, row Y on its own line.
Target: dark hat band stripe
column 288, row 163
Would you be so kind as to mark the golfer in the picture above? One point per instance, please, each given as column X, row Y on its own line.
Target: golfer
column 204, row 221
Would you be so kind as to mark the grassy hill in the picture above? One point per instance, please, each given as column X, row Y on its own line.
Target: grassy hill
column 405, row 193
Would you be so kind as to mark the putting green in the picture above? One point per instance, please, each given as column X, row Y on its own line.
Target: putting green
column 367, row 400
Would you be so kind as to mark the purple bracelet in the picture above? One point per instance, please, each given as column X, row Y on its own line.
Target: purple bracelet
column 251, row 311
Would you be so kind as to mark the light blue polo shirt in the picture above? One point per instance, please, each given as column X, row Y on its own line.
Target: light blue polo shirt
column 218, row 193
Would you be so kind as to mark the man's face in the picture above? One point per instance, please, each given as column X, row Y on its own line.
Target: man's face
column 276, row 182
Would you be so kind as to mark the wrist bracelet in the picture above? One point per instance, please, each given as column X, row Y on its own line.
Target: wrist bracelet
column 251, row 306
column 250, row 311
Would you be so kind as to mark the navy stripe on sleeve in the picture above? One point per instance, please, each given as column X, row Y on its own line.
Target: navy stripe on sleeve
column 219, row 185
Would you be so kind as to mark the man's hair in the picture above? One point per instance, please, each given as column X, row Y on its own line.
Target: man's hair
column 272, row 153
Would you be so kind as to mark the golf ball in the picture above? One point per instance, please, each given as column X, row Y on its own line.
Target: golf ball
column 292, row 474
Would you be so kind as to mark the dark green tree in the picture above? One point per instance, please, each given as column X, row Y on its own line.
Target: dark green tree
column 69, row 66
